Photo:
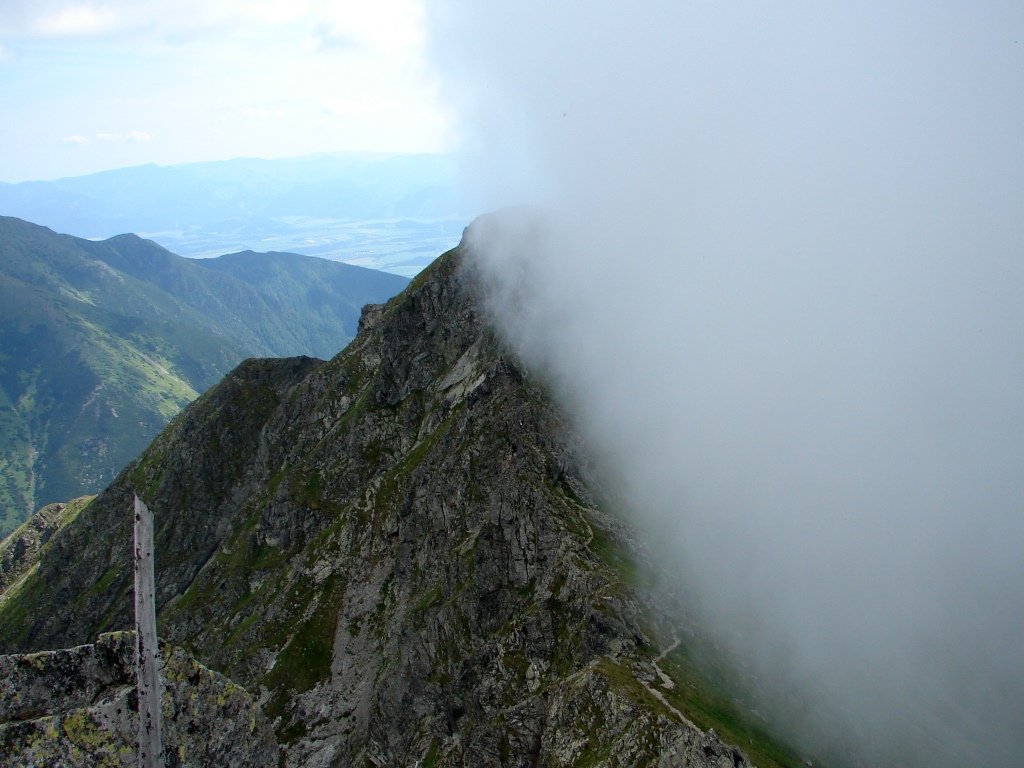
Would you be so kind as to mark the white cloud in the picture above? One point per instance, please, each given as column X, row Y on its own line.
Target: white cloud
column 262, row 113
column 787, row 308
column 327, row 37
column 81, row 20
column 129, row 137
column 353, row 107
column 138, row 19
column 387, row 26
column 6, row 53
column 330, row 24
column 126, row 137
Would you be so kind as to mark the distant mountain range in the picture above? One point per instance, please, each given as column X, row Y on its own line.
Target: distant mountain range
column 394, row 212
column 101, row 343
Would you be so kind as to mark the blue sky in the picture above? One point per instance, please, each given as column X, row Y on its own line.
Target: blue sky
column 87, row 86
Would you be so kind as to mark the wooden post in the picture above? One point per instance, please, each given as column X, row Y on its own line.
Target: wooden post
column 148, row 676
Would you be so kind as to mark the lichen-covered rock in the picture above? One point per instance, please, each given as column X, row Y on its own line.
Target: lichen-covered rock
column 77, row 707
column 399, row 550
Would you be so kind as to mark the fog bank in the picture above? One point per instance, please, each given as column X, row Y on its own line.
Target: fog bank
column 781, row 285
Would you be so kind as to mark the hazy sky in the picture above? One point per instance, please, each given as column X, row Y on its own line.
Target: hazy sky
column 90, row 85
column 783, row 295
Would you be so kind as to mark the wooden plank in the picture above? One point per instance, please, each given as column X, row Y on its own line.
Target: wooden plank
column 146, row 649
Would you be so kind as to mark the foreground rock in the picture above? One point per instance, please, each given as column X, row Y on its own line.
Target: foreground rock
column 77, row 707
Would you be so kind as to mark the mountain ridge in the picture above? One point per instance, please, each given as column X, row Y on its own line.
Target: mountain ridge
column 102, row 342
column 401, row 549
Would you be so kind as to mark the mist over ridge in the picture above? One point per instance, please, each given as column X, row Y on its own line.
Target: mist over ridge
column 780, row 285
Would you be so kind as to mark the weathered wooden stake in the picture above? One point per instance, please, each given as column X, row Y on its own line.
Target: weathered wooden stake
column 150, row 752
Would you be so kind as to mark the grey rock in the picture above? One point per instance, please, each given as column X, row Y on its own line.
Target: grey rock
column 77, row 707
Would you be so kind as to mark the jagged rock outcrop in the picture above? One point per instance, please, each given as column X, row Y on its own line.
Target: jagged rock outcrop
column 76, row 707
column 400, row 550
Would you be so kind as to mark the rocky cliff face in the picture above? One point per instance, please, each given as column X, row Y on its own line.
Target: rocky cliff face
column 397, row 551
